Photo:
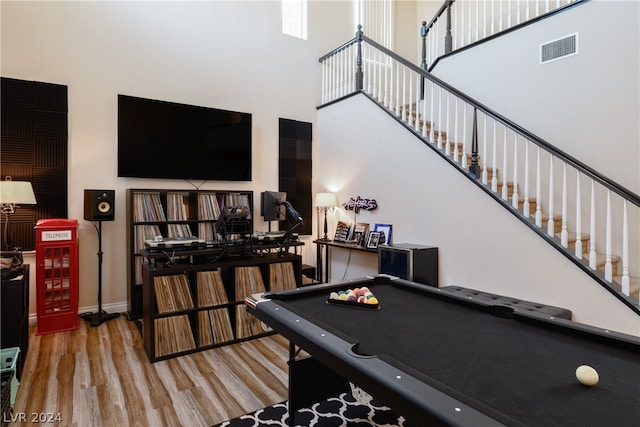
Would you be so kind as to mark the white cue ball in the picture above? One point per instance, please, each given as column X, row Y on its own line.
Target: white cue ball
column 587, row 375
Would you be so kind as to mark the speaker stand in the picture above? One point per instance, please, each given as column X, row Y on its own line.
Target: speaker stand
column 101, row 316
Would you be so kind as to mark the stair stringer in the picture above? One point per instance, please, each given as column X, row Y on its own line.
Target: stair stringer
column 363, row 151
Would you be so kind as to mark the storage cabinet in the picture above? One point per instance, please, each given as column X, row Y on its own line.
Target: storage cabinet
column 57, row 275
column 409, row 261
column 171, row 213
column 194, row 307
column 15, row 316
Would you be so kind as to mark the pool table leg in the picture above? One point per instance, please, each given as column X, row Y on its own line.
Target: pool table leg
column 310, row 382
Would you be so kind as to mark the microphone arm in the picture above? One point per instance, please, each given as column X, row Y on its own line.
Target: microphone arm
column 293, row 214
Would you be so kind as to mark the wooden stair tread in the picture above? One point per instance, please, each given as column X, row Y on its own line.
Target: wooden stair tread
column 634, row 283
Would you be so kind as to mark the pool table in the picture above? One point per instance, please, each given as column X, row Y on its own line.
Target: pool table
column 439, row 359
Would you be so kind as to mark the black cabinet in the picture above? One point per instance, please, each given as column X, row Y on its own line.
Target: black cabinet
column 15, row 316
column 409, row 261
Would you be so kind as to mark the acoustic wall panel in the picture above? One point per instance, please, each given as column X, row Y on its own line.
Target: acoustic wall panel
column 34, row 132
column 294, row 169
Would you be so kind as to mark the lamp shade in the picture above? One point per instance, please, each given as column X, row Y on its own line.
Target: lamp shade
column 17, row 192
column 326, row 200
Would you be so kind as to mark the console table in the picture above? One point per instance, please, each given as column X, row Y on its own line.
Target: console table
column 322, row 267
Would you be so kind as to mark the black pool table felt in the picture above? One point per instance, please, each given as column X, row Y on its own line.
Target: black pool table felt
column 509, row 369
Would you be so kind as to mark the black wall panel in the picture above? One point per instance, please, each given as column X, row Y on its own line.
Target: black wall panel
column 34, row 135
column 294, row 169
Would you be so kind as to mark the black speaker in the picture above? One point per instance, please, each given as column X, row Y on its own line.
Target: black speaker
column 99, row 205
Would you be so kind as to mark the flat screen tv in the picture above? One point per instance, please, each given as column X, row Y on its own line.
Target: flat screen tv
column 159, row 139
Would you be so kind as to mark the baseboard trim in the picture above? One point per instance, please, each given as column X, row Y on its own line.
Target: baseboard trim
column 116, row 307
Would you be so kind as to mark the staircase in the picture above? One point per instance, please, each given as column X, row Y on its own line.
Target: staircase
column 507, row 190
column 588, row 218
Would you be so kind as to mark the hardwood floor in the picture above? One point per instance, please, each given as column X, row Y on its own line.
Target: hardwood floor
column 101, row 376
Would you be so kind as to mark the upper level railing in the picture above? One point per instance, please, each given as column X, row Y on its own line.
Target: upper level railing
column 592, row 220
column 460, row 24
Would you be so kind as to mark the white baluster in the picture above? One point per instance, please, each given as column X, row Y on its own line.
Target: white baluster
column 578, row 248
column 424, row 108
column 564, row 234
column 380, row 73
column 525, row 205
column 625, row 250
column 342, row 73
column 484, row 145
column 505, row 189
column 514, row 198
column 374, row 71
column 538, row 216
column 367, row 66
column 493, row 17
column 477, row 22
column 323, row 97
column 417, row 122
column 469, row 26
column 494, row 160
column 433, row 96
column 484, row 21
column 386, row 84
column 440, row 118
column 404, row 93
column 592, row 228
column 608, row 267
column 391, row 103
column 447, row 147
column 398, row 90
column 334, row 77
column 550, row 223
column 410, row 115
column 456, row 152
column 327, row 90
column 464, row 136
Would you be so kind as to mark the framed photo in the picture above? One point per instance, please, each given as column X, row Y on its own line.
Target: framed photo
column 385, row 233
column 373, row 240
column 359, row 234
column 343, row 231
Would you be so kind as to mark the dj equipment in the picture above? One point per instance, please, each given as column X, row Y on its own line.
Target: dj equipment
column 175, row 243
column 99, row 205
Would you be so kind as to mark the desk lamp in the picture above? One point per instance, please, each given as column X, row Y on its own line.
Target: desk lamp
column 12, row 194
column 325, row 202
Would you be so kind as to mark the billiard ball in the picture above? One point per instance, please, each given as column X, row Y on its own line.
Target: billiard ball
column 587, row 375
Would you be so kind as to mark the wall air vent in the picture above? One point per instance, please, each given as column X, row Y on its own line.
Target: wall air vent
column 559, row 48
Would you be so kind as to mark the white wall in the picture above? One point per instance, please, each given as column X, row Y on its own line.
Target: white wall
column 222, row 54
column 365, row 152
column 587, row 105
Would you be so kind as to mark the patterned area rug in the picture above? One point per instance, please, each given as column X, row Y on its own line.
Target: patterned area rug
column 341, row 411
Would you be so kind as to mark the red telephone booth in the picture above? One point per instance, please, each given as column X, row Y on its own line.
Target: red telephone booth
column 57, row 275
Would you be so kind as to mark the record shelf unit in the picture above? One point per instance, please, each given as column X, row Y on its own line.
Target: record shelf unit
column 170, row 213
column 194, row 307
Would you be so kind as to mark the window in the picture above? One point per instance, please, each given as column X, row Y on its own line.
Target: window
column 294, row 18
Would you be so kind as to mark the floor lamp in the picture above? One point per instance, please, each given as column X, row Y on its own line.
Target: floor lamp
column 13, row 193
column 325, row 202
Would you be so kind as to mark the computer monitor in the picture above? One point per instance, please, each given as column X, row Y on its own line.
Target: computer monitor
column 272, row 207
